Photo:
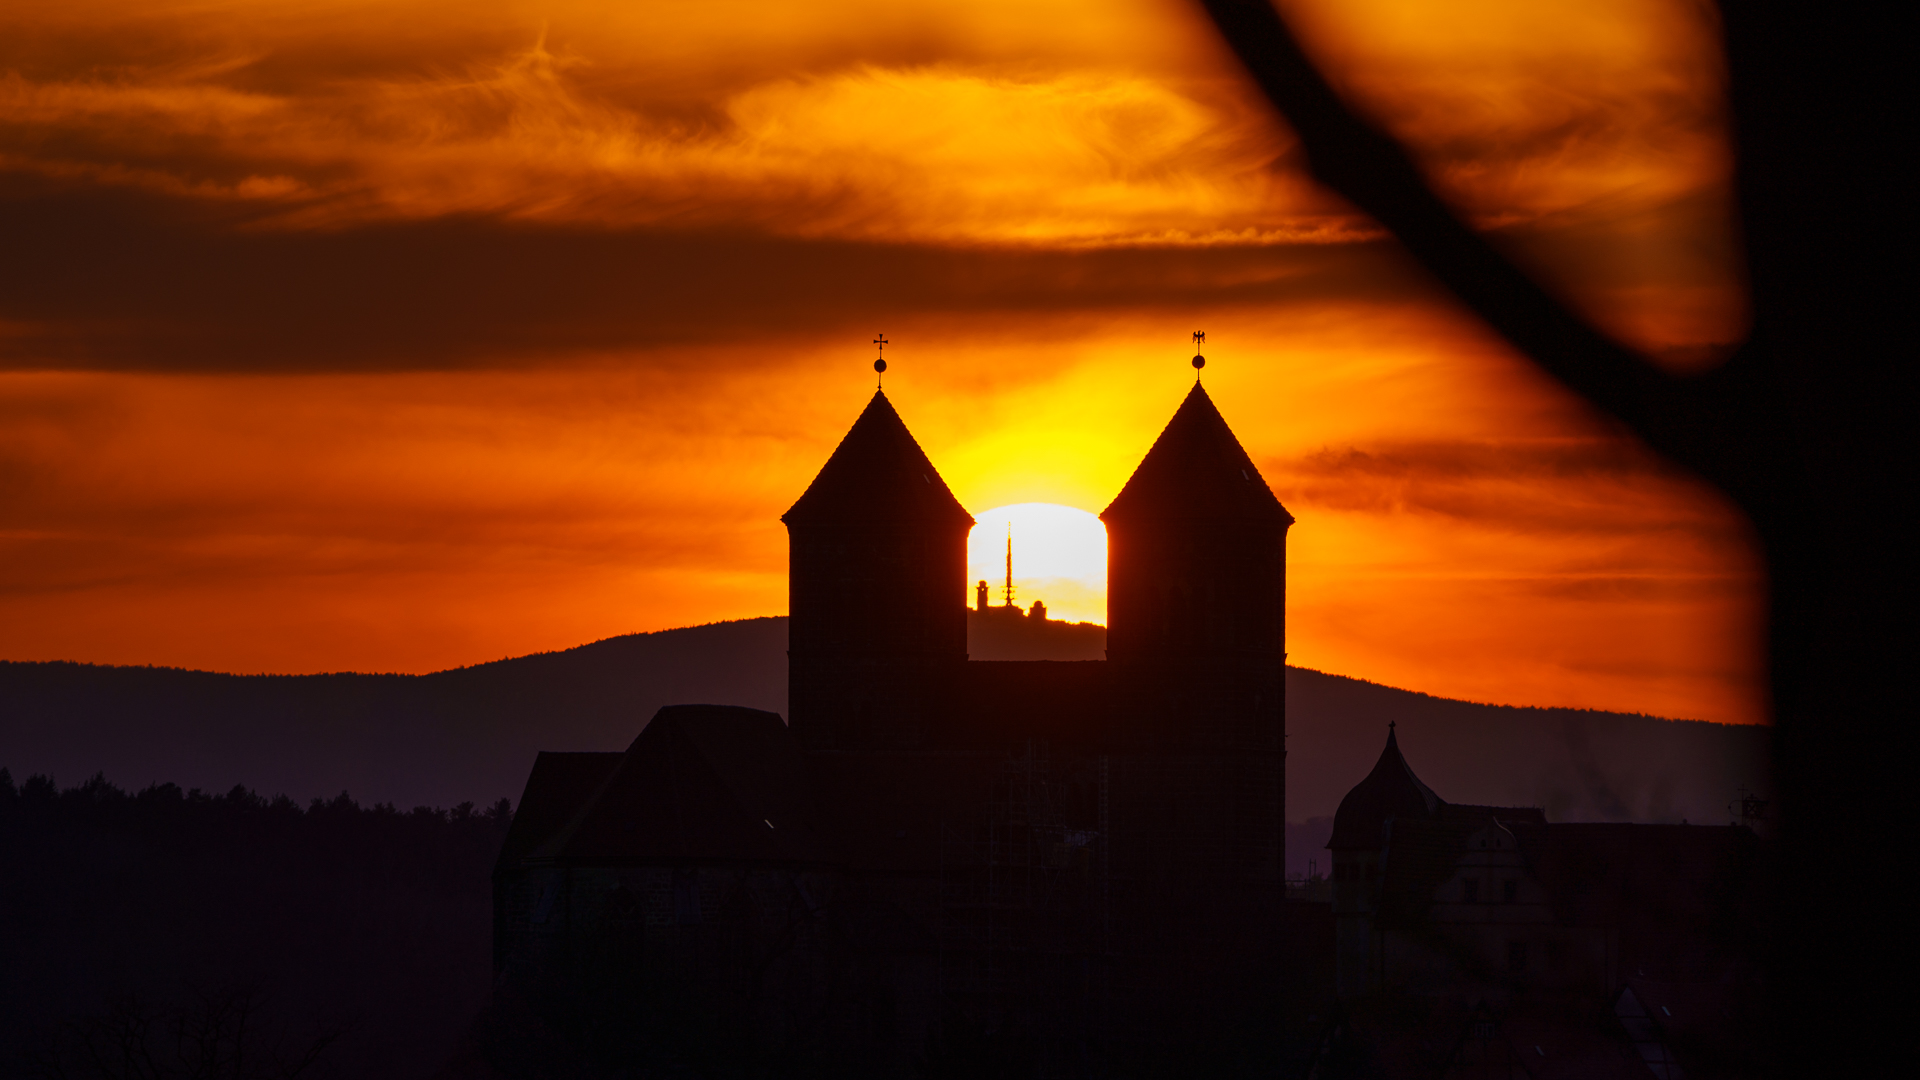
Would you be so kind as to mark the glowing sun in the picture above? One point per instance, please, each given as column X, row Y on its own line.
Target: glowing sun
column 1059, row 556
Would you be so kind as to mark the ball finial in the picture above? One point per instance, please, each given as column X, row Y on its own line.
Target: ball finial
column 1199, row 362
column 880, row 366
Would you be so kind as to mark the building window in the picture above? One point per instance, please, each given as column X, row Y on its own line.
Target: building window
column 1516, row 956
column 1510, row 890
column 1472, row 893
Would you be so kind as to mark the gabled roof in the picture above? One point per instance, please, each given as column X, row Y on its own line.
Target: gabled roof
column 557, row 788
column 704, row 783
column 878, row 473
column 1389, row 791
column 1196, row 469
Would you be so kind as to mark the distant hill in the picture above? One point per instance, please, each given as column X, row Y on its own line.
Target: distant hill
column 1007, row 634
column 465, row 735
column 470, row 734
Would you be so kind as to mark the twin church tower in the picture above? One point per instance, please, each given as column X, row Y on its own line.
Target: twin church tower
column 1090, row 844
column 1072, row 857
column 1196, row 597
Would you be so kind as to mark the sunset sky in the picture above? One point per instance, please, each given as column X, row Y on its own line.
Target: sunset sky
column 399, row 336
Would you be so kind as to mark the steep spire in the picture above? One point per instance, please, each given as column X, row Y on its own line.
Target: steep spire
column 1197, row 469
column 878, row 473
column 1390, row 790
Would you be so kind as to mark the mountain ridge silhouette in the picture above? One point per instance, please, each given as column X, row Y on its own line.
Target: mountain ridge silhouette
column 469, row 734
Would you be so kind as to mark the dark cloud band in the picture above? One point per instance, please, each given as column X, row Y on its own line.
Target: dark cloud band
column 121, row 280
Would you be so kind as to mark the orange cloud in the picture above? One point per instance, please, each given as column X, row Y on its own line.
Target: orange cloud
column 947, row 150
column 337, row 335
column 979, row 127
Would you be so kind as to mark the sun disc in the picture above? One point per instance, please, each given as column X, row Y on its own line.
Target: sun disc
column 1059, row 556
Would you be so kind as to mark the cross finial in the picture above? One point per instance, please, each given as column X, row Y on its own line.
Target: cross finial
column 1199, row 339
column 880, row 364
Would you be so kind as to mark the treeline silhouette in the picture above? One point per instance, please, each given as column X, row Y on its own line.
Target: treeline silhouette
column 170, row 932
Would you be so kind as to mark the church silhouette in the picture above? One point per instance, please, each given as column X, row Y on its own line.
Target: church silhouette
column 935, row 856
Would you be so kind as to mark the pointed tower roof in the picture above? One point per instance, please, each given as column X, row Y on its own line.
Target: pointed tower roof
column 878, row 473
column 1390, row 790
column 1197, row 469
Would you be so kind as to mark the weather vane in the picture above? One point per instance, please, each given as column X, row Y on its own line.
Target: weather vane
column 880, row 364
column 1199, row 339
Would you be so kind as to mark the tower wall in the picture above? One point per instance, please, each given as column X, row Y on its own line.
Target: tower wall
column 877, row 628
column 1196, row 633
column 876, row 577
column 1193, row 588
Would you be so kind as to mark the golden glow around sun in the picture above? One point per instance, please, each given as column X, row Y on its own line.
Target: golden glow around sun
column 1059, row 556
column 640, row 250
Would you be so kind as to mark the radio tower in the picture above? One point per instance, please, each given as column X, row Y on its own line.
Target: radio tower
column 1009, row 602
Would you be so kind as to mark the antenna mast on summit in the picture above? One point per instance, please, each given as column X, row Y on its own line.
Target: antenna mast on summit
column 1009, row 564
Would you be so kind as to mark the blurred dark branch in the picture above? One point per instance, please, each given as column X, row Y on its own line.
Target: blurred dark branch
column 1706, row 422
column 1808, row 427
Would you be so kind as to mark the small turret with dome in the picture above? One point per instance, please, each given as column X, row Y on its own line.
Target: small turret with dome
column 1391, row 790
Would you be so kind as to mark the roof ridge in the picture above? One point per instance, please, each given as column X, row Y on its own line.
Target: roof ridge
column 557, row 841
column 683, row 774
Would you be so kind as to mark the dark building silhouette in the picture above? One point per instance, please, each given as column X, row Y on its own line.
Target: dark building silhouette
column 1391, row 804
column 947, row 866
column 1626, row 948
column 1070, row 856
column 1428, row 893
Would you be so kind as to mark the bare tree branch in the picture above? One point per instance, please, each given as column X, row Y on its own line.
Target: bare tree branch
column 1687, row 418
column 1808, row 427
